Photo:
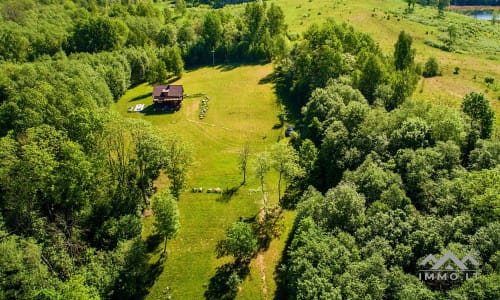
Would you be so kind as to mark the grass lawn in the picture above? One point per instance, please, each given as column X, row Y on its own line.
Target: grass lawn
column 240, row 108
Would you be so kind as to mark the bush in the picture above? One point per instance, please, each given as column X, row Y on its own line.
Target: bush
column 437, row 45
column 418, row 68
column 489, row 80
column 431, row 68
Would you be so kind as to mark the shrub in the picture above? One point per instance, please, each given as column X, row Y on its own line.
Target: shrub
column 431, row 68
column 419, row 68
column 489, row 80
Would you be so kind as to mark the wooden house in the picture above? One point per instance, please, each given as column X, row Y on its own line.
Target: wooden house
column 167, row 97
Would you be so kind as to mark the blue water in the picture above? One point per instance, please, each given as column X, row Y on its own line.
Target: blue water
column 482, row 15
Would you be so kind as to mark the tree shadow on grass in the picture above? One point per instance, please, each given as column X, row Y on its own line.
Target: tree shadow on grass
column 269, row 78
column 154, row 271
column 152, row 242
column 282, row 291
column 143, row 96
column 228, row 193
column 224, row 284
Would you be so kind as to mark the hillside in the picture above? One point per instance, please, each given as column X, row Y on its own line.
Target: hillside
column 323, row 150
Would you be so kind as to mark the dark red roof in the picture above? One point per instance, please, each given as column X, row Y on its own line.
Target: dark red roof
column 168, row 91
column 175, row 90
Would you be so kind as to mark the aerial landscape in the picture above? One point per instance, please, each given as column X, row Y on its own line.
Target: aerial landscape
column 239, row 149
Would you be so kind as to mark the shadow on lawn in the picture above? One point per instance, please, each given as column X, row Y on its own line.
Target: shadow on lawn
column 152, row 242
column 269, row 78
column 228, row 193
column 224, row 284
column 151, row 111
column 154, row 271
column 231, row 66
column 140, row 97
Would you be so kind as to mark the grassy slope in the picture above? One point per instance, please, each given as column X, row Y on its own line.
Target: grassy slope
column 240, row 108
column 370, row 16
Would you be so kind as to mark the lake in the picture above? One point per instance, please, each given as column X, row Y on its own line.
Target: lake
column 482, row 15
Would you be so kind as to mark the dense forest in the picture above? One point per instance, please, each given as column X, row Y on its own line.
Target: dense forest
column 75, row 176
column 390, row 181
column 385, row 180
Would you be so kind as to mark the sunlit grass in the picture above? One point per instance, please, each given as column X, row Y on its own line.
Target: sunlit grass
column 240, row 108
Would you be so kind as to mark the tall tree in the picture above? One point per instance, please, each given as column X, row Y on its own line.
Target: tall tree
column 411, row 4
column 478, row 108
column 180, row 6
column 212, row 31
column 151, row 154
column 262, row 166
column 403, row 53
column 372, row 76
column 166, row 214
column 276, row 20
column 285, row 161
column 240, row 242
column 173, row 60
column 308, row 154
column 178, row 162
column 441, row 6
column 243, row 160
column 99, row 34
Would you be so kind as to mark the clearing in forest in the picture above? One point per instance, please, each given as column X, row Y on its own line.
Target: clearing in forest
column 242, row 106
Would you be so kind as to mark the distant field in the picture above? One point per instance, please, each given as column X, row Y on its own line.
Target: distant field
column 240, row 108
column 384, row 19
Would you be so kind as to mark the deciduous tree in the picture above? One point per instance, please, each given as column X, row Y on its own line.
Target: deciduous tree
column 403, row 52
column 166, row 214
column 179, row 159
column 478, row 108
column 284, row 160
column 262, row 166
column 240, row 242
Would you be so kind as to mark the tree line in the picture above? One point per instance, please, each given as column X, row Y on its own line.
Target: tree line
column 31, row 31
column 388, row 180
column 76, row 177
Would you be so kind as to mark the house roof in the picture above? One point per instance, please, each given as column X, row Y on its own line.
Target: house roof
column 168, row 91
column 175, row 91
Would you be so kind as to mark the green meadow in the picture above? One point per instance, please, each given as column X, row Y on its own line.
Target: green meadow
column 243, row 107
column 477, row 56
column 384, row 19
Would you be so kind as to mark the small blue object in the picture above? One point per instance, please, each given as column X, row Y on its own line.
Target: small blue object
column 288, row 130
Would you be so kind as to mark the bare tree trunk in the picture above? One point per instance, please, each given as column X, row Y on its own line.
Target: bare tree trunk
column 264, row 198
column 279, row 187
column 245, row 152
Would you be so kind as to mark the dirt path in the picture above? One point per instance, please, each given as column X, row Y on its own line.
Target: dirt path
column 262, row 268
column 260, row 260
